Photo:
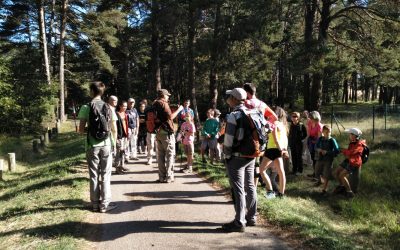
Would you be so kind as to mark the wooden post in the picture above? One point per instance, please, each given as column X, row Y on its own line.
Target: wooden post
column 50, row 134
column 35, row 145
column 41, row 140
column 58, row 126
column 54, row 132
column 1, row 169
column 46, row 138
column 11, row 162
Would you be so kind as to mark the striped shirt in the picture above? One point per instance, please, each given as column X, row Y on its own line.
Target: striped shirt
column 234, row 133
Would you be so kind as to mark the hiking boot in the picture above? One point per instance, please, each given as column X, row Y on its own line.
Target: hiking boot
column 232, row 227
column 270, row 195
column 110, row 207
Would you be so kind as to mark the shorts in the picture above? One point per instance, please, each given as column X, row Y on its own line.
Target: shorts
column 345, row 164
column 189, row 148
column 273, row 153
column 210, row 143
column 324, row 168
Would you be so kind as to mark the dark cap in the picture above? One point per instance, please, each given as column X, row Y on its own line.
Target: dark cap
column 162, row 92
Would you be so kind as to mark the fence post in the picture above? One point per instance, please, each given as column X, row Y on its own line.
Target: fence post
column 11, row 162
column 373, row 122
column 332, row 117
column 1, row 169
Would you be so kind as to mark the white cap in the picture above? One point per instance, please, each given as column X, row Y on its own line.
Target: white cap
column 355, row 131
column 238, row 93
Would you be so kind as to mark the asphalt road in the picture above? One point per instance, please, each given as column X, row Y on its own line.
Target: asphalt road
column 185, row 214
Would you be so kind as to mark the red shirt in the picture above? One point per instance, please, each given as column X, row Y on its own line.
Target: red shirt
column 353, row 153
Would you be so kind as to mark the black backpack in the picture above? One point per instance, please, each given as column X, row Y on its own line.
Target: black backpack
column 99, row 120
column 255, row 136
column 365, row 154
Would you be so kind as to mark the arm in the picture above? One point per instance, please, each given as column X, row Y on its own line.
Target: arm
column 82, row 125
column 303, row 132
column 173, row 115
column 230, row 131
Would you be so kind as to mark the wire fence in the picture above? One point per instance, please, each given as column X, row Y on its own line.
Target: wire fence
column 378, row 122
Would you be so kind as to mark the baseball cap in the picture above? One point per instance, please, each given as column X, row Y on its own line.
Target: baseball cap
column 238, row 93
column 162, row 92
column 354, row 131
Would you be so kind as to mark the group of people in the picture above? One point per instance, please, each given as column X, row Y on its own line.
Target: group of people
column 223, row 140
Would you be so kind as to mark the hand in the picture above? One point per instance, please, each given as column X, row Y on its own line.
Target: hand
column 180, row 108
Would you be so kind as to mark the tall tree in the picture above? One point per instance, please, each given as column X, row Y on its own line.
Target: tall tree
column 43, row 39
column 64, row 9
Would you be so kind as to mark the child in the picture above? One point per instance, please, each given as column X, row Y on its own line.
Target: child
column 352, row 164
column 188, row 129
column 297, row 133
column 209, row 132
column 326, row 148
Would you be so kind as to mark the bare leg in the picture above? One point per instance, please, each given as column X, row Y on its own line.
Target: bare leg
column 325, row 185
column 343, row 176
column 281, row 172
column 263, row 167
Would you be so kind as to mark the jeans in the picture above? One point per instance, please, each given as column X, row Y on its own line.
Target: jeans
column 241, row 177
column 132, row 143
column 99, row 161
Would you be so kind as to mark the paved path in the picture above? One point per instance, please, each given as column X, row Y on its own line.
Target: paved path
column 180, row 215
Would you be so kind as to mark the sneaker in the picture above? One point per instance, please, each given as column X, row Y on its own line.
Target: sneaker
column 270, row 195
column 169, row 180
column 349, row 194
column 232, row 227
column 279, row 195
column 110, row 207
column 187, row 171
column 251, row 223
column 148, row 162
column 119, row 170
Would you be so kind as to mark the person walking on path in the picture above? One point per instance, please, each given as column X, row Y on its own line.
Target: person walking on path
column 297, row 133
column 240, row 169
column 133, row 131
column 276, row 150
column 122, row 135
column 209, row 133
column 165, row 136
column 98, row 150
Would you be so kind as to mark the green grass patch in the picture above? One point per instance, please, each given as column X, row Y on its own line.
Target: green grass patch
column 43, row 204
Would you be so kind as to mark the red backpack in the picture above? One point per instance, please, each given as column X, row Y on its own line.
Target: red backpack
column 152, row 121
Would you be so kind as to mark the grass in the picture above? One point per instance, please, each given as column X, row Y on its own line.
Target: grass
column 43, row 204
column 369, row 221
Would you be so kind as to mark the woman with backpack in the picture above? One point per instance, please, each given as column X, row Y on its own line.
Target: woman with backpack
column 276, row 149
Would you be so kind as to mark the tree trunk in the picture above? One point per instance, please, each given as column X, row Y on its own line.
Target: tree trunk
column 43, row 40
column 53, row 37
column 64, row 8
column 354, row 87
column 155, row 48
column 213, row 91
column 316, row 88
column 191, row 66
column 309, row 17
column 345, row 97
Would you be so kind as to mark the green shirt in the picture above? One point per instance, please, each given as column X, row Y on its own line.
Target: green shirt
column 211, row 127
column 93, row 142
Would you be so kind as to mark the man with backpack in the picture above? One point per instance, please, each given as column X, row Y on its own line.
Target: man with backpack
column 240, row 161
column 165, row 137
column 101, row 122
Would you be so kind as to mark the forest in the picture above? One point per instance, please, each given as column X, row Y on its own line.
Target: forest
column 301, row 54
